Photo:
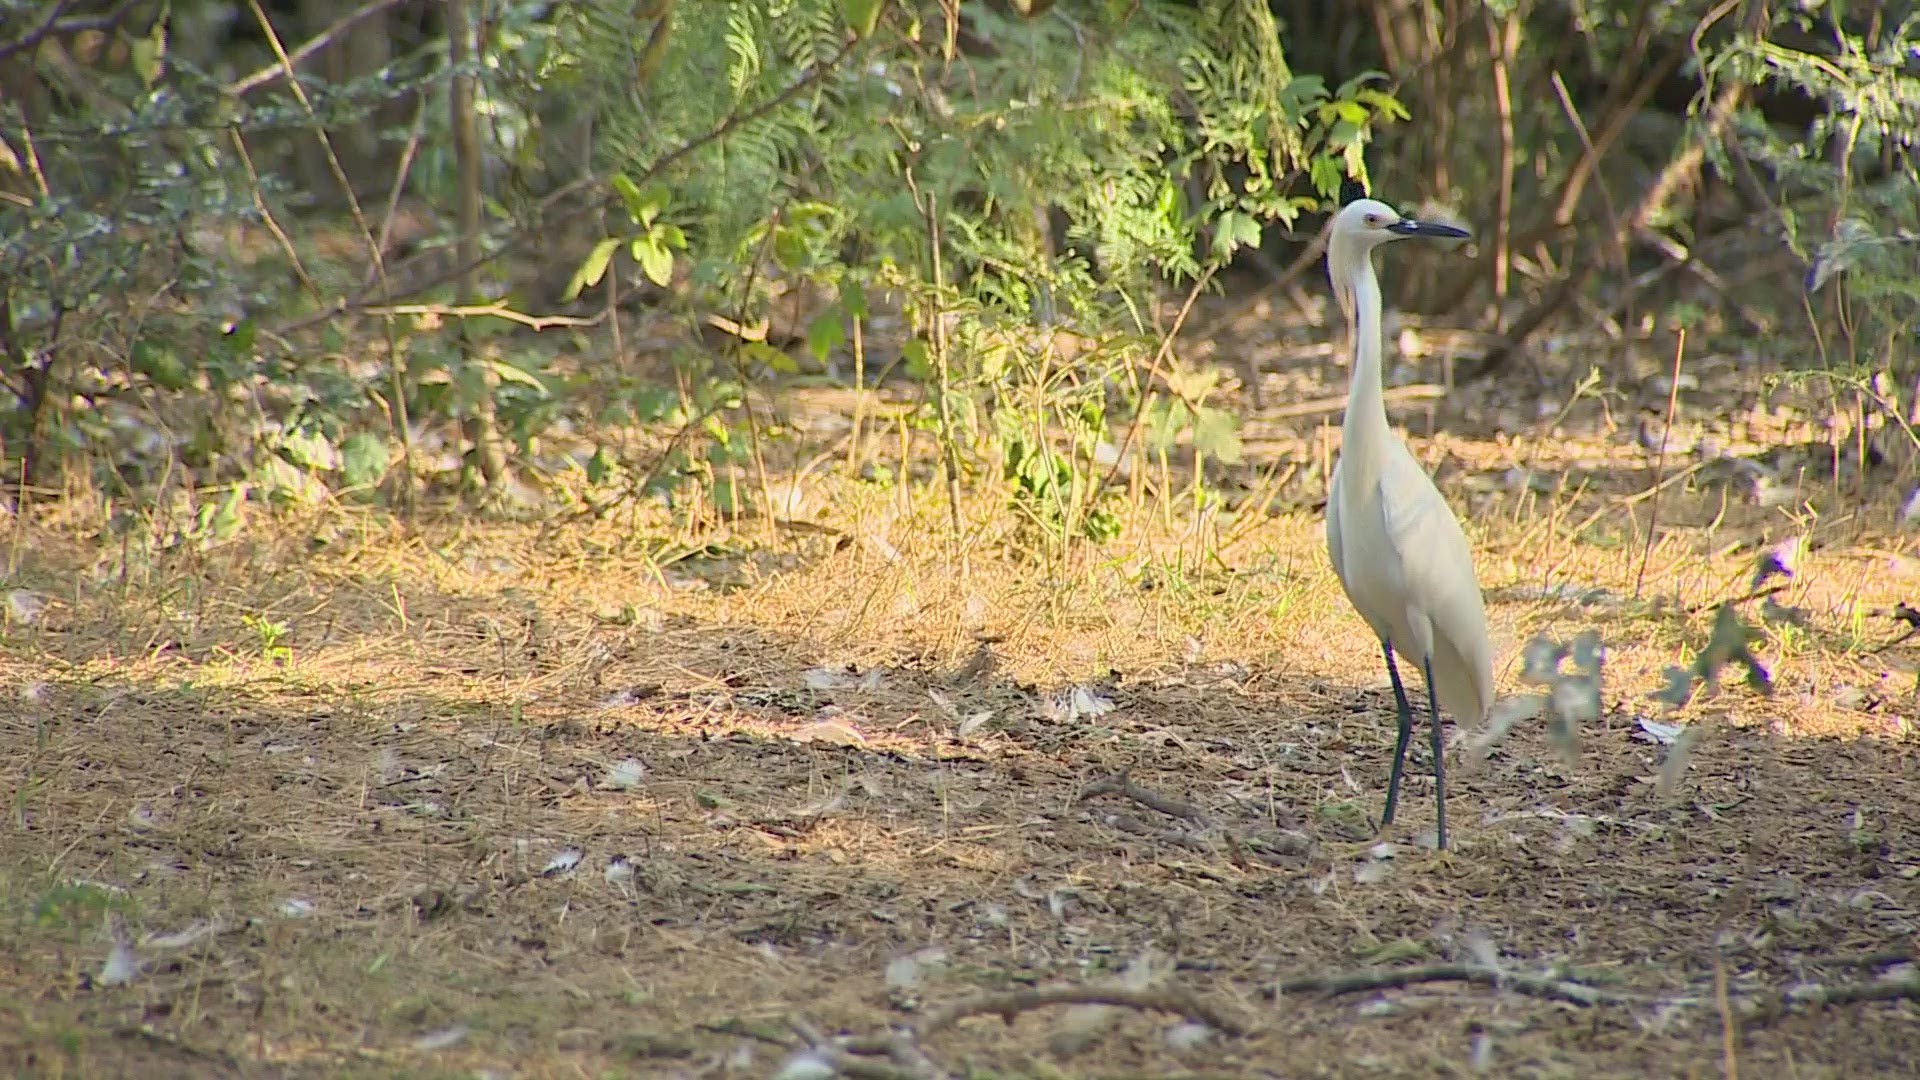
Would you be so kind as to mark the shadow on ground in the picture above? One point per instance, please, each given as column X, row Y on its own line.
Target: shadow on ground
column 512, row 837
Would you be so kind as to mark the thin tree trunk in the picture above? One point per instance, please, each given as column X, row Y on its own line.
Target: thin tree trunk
column 482, row 428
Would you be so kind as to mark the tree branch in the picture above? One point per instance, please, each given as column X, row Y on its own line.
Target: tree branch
column 522, row 237
column 52, row 25
column 277, row 70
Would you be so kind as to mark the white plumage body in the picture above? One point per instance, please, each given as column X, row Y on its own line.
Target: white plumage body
column 1396, row 547
column 1411, row 591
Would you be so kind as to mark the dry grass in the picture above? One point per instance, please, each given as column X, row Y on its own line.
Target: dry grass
column 456, row 703
column 339, row 860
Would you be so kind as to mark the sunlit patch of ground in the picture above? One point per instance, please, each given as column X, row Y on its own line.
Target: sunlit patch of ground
column 340, row 799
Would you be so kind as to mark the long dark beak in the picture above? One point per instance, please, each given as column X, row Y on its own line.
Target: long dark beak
column 1432, row 230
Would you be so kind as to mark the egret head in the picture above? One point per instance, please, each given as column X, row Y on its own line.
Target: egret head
column 1365, row 224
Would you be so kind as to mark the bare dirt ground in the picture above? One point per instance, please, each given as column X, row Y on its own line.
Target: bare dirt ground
column 335, row 798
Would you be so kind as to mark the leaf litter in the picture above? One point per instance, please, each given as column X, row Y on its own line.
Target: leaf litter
column 982, row 857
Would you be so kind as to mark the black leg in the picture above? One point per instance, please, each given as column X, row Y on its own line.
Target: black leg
column 1439, row 759
column 1404, row 715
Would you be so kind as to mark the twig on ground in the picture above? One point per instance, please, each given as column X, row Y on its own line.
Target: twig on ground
column 1394, row 395
column 1120, row 784
column 1129, row 823
column 1756, row 594
column 1390, row 978
column 1729, row 1027
column 840, row 1055
column 1899, row 954
column 1776, row 1004
column 1162, row 999
column 1638, row 497
column 1762, row 1007
column 747, row 1029
column 1271, row 848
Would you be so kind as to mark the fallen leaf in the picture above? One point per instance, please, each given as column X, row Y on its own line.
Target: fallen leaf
column 624, row 776
column 563, row 863
column 440, row 1040
column 808, row 1064
column 1654, row 731
column 833, row 732
column 26, row 606
column 619, row 870
column 1675, row 765
column 973, row 723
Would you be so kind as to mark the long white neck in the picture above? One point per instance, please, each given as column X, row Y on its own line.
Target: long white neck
column 1366, row 421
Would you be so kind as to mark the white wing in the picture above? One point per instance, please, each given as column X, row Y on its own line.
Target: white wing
column 1437, row 567
column 1333, row 523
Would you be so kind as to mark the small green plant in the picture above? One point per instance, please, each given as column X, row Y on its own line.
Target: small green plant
column 76, row 904
column 271, row 637
column 652, row 242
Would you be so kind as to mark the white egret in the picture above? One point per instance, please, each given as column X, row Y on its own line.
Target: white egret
column 1398, row 550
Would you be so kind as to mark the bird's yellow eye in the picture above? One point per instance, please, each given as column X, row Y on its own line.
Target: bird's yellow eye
column 1373, row 221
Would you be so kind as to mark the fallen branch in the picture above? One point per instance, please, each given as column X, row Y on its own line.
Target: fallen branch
column 843, row 1055
column 1164, row 999
column 1774, row 1005
column 1120, row 784
column 1267, row 846
column 1131, row 824
column 1391, row 978
column 1767, row 1006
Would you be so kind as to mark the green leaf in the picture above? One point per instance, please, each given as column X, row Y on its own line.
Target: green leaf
column 1305, row 90
column 914, row 355
column 1678, row 690
column 1326, row 176
column 1217, row 432
column 656, row 261
column 853, row 299
column 1383, row 102
column 307, row 449
column 789, row 248
column 629, row 193
column 862, row 15
column 670, row 235
column 599, row 466
column 147, row 55
column 1234, row 229
column 1352, row 112
column 593, row 269
column 1167, row 202
column 160, row 364
column 642, row 206
column 363, row 459
column 776, row 359
column 240, row 337
column 827, row 331
column 225, row 521
column 511, row 374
